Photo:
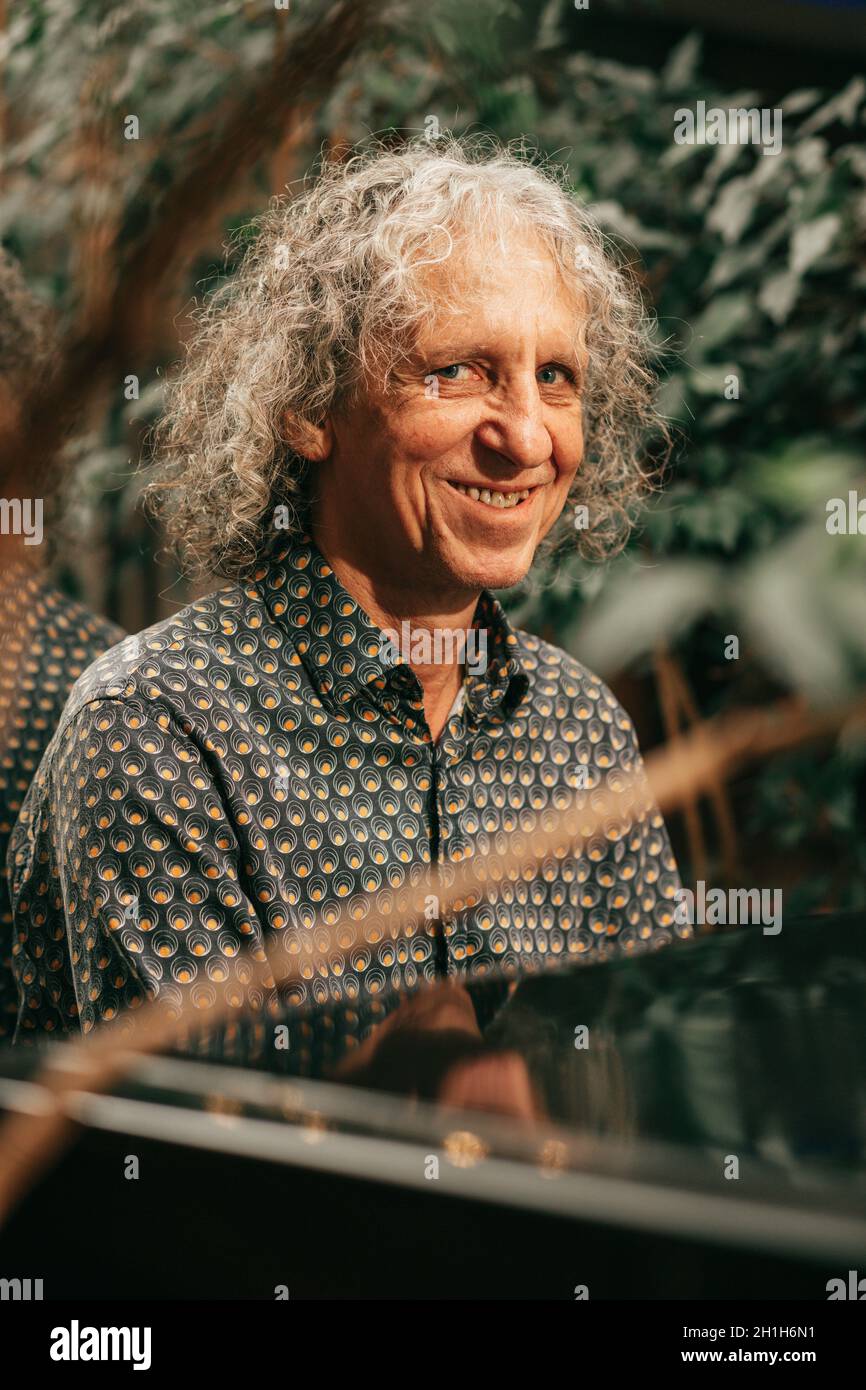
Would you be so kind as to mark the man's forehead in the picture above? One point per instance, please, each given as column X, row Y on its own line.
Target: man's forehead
column 481, row 326
column 472, row 259
column 477, row 289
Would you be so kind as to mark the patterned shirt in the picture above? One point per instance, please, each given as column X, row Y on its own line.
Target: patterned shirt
column 47, row 639
column 232, row 777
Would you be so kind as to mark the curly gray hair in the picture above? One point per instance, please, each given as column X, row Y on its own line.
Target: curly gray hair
column 327, row 298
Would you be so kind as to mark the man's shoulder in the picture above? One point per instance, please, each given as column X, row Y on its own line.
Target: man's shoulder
column 158, row 666
column 554, row 673
column 153, row 675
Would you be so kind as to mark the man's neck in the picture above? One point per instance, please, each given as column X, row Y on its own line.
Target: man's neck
column 396, row 609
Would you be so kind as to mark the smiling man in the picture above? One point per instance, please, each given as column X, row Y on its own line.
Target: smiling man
column 424, row 362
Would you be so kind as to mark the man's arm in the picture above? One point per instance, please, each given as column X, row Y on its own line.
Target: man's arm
column 636, row 874
column 128, row 883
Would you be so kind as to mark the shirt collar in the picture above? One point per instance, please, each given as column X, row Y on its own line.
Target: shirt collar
column 345, row 653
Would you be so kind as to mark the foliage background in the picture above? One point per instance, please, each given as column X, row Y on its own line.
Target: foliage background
column 755, row 265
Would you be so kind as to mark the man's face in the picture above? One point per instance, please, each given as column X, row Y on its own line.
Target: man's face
column 487, row 406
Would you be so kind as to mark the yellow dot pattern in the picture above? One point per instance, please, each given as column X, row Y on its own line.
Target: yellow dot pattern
column 234, row 776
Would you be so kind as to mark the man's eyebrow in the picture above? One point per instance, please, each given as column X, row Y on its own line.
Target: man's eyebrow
column 571, row 357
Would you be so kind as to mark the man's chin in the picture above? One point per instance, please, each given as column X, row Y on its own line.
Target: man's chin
column 494, row 572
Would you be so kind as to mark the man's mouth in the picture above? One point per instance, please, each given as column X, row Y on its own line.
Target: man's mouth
column 492, row 498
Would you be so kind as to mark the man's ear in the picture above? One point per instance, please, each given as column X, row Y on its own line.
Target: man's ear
column 313, row 442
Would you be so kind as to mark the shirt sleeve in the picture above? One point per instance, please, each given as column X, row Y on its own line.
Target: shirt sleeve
column 128, row 885
column 634, row 875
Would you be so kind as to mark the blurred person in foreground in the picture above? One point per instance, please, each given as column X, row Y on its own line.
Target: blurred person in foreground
column 47, row 639
column 425, row 362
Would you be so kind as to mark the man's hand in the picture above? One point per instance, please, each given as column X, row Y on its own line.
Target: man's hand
column 431, row 1047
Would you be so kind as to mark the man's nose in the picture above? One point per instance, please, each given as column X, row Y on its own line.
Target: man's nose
column 514, row 424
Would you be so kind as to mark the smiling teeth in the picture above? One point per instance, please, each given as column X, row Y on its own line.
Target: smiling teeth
column 493, row 499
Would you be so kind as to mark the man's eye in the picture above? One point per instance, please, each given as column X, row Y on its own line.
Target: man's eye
column 547, row 374
column 450, row 373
